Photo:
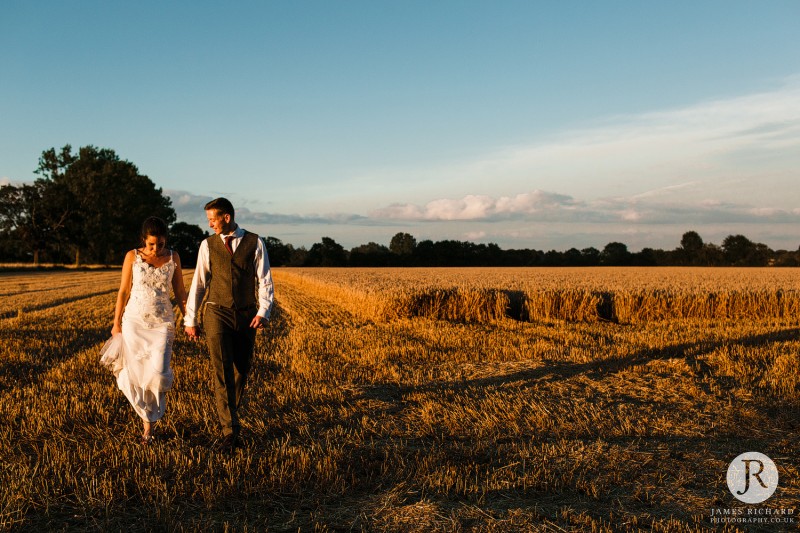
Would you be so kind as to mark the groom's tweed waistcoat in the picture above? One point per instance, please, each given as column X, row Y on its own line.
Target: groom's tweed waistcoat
column 233, row 276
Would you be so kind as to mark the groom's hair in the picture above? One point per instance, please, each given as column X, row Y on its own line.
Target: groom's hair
column 222, row 205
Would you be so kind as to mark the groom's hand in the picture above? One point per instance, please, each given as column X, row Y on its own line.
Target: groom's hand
column 193, row 332
column 258, row 322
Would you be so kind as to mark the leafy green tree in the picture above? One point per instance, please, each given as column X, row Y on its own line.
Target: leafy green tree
column 590, row 256
column 185, row 239
column 424, row 253
column 403, row 244
column 692, row 242
column 741, row 251
column 30, row 219
column 712, row 255
column 691, row 250
column 299, row 257
column 786, row 258
column 370, row 255
column 572, row 257
column 279, row 254
column 615, row 254
column 107, row 197
column 327, row 253
column 646, row 257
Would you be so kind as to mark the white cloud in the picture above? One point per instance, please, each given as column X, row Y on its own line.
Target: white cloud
column 478, row 207
column 183, row 200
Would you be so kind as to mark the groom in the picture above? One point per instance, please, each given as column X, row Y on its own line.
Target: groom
column 233, row 268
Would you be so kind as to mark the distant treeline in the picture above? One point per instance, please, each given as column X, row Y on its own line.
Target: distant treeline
column 87, row 208
column 404, row 250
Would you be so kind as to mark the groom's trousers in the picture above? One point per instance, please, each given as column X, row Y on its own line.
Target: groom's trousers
column 230, row 342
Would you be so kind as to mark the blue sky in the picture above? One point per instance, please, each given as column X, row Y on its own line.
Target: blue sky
column 529, row 124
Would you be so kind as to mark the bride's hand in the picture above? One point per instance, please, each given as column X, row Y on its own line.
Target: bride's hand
column 193, row 332
column 116, row 329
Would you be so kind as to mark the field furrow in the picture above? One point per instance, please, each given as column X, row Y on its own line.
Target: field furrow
column 306, row 306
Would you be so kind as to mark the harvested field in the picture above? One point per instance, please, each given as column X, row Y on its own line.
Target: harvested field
column 361, row 417
column 575, row 294
column 23, row 292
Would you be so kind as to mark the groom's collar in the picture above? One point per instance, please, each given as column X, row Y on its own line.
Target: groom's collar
column 237, row 233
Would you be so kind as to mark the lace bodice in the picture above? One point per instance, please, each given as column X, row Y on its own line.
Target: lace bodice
column 149, row 300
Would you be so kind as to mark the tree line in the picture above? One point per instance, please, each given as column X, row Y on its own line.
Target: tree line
column 404, row 250
column 87, row 207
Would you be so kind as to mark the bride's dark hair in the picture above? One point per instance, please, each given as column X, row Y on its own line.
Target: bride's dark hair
column 153, row 227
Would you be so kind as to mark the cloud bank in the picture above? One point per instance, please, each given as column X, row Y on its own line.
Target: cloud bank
column 535, row 207
column 189, row 207
column 728, row 165
column 482, row 207
column 542, row 206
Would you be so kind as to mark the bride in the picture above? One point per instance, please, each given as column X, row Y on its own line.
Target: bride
column 140, row 347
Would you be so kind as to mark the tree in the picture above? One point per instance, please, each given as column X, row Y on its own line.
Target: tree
column 740, row 251
column 279, row 254
column 424, row 253
column 712, row 255
column 403, row 244
column 30, row 218
column 786, row 258
column 185, row 239
column 591, row 256
column 615, row 254
column 572, row 257
column 692, row 242
column 646, row 257
column 108, row 200
column 553, row 258
column 370, row 255
column 327, row 253
column 299, row 257
column 691, row 249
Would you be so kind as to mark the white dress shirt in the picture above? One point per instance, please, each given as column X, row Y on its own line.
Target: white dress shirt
column 202, row 276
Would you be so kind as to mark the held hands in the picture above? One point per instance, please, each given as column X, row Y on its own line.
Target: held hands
column 193, row 332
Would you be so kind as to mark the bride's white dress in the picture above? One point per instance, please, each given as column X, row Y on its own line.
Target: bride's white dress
column 140, row 357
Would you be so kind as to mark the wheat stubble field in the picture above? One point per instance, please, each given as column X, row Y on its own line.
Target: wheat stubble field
column 417, row 400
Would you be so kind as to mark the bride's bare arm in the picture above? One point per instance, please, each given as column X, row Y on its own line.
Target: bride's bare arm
column 177, row 284
column 124, row 291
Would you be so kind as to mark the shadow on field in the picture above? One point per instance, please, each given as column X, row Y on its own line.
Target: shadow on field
column 53, row 303
column 268, row 343
column 37, row 350
column 691, row 352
